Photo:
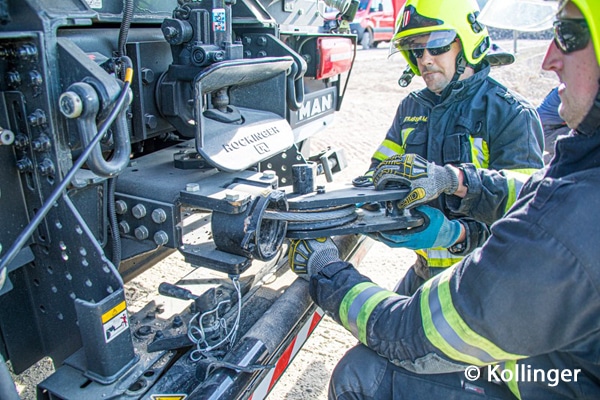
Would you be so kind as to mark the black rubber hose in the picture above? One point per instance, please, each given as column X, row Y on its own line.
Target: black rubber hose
column 114, row 227
column 125, row 25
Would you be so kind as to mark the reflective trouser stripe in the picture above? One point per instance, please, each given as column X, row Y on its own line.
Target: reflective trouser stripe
column 439, row 257
column 480, row 153
column 446, row 330
column 358, row 304
column 513, row 385
column 516, row 178
column 388, row 149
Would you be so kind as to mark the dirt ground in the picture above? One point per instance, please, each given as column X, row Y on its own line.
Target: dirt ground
column 369, row 105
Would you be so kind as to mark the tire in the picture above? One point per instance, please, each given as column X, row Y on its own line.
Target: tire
column 366, row 40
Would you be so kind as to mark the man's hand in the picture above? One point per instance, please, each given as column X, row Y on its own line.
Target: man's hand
column 439, row 231
column 425, row 179
column 309, row 256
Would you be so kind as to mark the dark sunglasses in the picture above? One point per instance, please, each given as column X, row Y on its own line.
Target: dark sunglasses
column 434, row 51
column 571, row 35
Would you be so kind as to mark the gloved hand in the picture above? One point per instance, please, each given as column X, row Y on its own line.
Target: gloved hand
column 425, row 179
column 439, row 231
column 309, row 256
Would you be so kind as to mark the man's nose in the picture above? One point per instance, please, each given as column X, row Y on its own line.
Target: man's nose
column 427, row 58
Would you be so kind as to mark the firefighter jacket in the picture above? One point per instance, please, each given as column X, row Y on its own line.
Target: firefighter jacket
column 526, row 302
column 477, row 123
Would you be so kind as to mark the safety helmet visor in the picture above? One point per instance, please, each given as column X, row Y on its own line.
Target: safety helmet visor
column 428, row 40
column 520, row 15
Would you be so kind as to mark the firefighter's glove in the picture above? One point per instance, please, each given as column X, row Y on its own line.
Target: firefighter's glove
column 438, row 231
column 425, row 179
column 309, row 256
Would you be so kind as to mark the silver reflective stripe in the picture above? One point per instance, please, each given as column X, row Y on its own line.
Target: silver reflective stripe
column 451, row 337
column 357, row 305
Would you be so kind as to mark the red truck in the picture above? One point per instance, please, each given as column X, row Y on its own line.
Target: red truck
column 374, row 21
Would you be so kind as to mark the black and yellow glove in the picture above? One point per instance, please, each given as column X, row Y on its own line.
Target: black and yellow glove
column 309, row 256
column 425, row 179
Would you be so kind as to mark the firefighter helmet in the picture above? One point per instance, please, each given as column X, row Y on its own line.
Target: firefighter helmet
column 437, row 23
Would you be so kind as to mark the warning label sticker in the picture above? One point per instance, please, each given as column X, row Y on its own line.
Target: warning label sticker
column 115, row 322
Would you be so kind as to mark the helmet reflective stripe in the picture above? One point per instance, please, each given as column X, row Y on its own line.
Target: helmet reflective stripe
column 358, row 304
column 446, row 330
column 516, row 178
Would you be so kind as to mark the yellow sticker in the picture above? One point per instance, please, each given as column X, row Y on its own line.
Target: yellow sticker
column 113, row 312
column 168, row 396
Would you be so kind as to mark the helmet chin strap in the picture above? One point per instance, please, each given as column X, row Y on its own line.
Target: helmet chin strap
column 461, row 64
column 591, row 122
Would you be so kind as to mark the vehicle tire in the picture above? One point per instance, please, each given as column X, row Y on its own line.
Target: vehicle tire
column 375, row 44
column 366, row 40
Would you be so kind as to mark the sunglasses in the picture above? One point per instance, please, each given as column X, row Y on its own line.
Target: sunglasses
column 434, row 51
column 571, row 35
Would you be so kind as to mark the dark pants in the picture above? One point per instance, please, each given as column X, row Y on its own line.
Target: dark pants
column 362, row 374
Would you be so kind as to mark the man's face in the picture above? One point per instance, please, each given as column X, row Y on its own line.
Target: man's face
column 578, row 73
column 437, row 71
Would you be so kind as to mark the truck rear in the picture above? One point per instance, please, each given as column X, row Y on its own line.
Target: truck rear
column 132, row 131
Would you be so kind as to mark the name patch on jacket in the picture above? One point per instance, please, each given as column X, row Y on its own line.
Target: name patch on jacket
column 417, row 118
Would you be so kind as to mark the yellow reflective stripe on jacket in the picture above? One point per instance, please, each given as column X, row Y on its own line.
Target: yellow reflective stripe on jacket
column 516, row 178
column 439, row 257
column 387, row 149
column 512, row 384
column 446, row 330
column 358, row 304
column 480, row 153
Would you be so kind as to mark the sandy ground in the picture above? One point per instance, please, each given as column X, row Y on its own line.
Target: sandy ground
column 369, row 105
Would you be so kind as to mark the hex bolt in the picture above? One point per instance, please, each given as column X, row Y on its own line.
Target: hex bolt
column 70, row 104
column 120, row 207
column 37, row 118
column 42, row 143
column 261, row 41
column 147, row 76
column 24, row 165
column 141, row 233
column 138, row 211
column 161, row 238
column 124, row 227
column 13, row 78
column 27, row 52
column 159, row 216
column 261, row 53
column 35, row 78
column 46, row 167
column 177, row 321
